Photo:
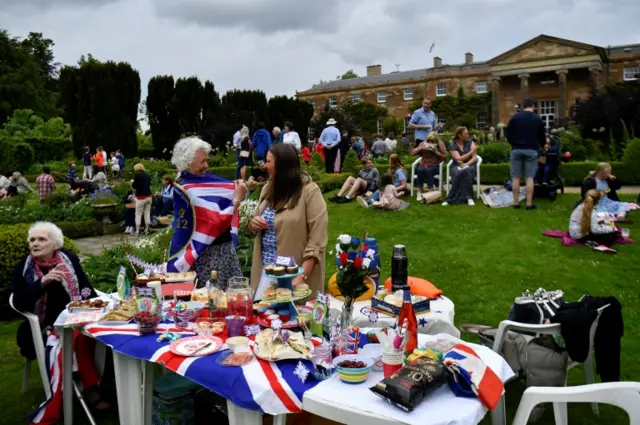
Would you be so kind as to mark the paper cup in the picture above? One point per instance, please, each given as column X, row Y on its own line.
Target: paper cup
column 625, row 232
column 391, row 363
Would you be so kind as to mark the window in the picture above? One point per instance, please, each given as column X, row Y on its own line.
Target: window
column 382, row 96
column 333, row 101
column 355, row 97
column 379, row 126
column 481, row 87
column 441, row 89
column 631, row 73
column 406, row 129
column 481, row 121
column 312, row 133
column 547, row 111
column 441, row 123
column 408, row 94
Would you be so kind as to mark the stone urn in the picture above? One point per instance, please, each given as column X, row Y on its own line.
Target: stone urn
column 104, row 212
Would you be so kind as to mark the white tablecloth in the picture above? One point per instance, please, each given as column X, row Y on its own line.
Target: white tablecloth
column 342, row 402
column 438, row 320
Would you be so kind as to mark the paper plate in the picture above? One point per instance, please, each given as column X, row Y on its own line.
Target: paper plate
column 187, row 346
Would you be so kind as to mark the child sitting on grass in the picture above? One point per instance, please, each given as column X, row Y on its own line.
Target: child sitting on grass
column 586, row 227
column 387, row 198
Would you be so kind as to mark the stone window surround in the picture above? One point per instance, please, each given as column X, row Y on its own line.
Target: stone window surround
column 381, row 96
column 333, row 101
column 485, row 84
column 407, row 93
column 441, row 89
column 631, row 73
column 356, row 97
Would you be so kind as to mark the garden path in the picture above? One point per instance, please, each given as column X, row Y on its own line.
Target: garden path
column 95, row 245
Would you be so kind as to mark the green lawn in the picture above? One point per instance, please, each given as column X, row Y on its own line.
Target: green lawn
column 482, row 258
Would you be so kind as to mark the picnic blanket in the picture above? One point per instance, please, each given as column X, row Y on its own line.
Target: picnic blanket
column 267, row 387
column 568, row 241
column 499, row 197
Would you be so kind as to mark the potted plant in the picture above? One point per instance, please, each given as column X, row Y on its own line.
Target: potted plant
column 104, row 203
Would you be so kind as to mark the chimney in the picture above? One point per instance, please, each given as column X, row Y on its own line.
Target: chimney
column 374, row 70
column 468, row 58
column 437, row 61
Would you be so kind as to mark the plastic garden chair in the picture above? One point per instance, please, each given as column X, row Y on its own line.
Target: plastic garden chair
column 414, row 175
column 553, row 329
column 625, row 395
column 478, row 163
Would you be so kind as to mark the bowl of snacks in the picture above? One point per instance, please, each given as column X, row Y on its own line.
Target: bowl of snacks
column 353, row 368
column 209, row 327
column 147, row 322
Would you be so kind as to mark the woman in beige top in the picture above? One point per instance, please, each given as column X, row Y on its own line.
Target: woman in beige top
column 291, row 220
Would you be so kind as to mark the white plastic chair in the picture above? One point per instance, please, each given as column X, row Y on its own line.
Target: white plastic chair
column 448, row 177
column 625, row 395
column 553, row 329
column 414, row 176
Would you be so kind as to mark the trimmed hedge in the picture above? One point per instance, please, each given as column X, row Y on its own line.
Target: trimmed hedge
column 13, row 246
column 81, row 229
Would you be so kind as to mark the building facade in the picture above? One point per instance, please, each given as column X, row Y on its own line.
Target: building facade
column 554, row 72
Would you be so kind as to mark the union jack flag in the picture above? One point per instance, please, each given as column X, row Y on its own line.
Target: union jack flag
column 203, row 210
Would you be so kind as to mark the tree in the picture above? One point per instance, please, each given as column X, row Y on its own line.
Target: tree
column 163, row 119
column 298, row 112
column 365, row 116
column 100, row 100
column 40, row 49
column 348, row 75
column 23, row 83
column 345, row 121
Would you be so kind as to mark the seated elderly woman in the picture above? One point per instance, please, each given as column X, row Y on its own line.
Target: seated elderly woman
column 44, row 282
column 367, row 181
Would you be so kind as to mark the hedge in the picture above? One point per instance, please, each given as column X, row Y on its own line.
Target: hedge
column 50, row 148
column 13, row 246
column 80, row 229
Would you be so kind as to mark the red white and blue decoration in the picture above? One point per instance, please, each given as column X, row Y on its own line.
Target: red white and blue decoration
column 203, row 208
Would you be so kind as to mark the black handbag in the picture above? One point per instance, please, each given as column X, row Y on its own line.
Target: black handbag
column 536, row 308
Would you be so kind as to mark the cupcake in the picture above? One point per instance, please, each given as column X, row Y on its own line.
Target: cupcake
column 269, row 269
column 283, row 294
column 278, row 271
column 292, row 270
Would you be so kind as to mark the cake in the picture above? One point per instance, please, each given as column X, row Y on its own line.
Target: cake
column 283, row 294
column 269, row 269
column 292, row 270
column 278, row 271
column 269, row 293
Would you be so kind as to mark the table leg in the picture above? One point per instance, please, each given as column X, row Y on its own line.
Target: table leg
column 499, row 414
column 67, row 375
column 128, row 373
column 240, row 416
column 280, row 420
column 147, row 393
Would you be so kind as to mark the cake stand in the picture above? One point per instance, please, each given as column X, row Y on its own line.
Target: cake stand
column 286, row 282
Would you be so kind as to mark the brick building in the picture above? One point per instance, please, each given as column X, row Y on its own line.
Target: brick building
column 553, row 71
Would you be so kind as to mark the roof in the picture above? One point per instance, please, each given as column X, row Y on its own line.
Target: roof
column 596, row 49
column 627, row 49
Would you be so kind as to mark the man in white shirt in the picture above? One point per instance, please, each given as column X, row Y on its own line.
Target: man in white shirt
column 236, row 145
column 330, row 139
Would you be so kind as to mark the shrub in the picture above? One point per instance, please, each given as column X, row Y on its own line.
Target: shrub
column 22, row 156
column 13, row 246
column 351, row 164
column 631, row 155
column 331, row 182
column 317, row 162
column 48, row 149
column 572, row 142
column 29, row 213
column 494, row 153
column 80, row 229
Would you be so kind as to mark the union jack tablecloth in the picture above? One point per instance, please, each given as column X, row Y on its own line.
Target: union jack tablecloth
column 263, row 386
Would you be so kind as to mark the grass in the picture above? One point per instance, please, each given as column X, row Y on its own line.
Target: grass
column 482, row 258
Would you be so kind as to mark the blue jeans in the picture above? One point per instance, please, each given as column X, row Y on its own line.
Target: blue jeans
column 432, row 172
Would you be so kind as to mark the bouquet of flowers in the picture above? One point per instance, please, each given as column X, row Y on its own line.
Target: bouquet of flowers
column 355, row 261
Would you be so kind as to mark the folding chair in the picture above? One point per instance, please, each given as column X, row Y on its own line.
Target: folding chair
column 553, row 329
column 477, row 178
column 625, row 395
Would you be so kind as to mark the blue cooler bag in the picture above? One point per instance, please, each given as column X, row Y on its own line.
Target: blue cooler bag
column 173, row 400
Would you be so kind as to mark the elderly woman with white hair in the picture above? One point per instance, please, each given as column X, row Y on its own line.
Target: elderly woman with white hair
column 47, row 279
column 205, row 208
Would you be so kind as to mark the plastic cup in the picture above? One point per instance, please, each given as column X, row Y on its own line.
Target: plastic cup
column 181, row 319
column 625, row 233
column 235, row 325
column 391, row 363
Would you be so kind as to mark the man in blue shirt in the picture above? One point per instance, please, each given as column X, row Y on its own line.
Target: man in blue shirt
column 261, row 142
column 87, row 173
column 423, row 121
column 330, row 139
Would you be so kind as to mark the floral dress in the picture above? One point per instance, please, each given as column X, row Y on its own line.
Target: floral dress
column 269, row 245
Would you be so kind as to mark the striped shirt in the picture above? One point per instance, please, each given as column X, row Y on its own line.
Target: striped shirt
column 45, row 185
column 575, row 224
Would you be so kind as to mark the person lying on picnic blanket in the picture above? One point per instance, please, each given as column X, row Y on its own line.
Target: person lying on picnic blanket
column 586, row 227
column 605, row 182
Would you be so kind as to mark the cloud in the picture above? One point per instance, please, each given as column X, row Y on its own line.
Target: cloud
column 281, row 46
column 260, row 16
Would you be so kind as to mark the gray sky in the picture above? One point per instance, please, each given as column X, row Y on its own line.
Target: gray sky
column 281, row 46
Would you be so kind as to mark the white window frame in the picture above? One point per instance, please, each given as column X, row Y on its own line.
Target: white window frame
column 406, row 129
column 631, row 73
column 379, row 126
column 407, row 93
column 547, row 110
column 333, row 101
column 356, row 98
column 483, row 84
column 384, row 96
column 483, row 121
column 441, row 89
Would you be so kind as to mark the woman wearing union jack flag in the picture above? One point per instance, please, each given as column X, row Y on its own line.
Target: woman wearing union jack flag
column 205, row 215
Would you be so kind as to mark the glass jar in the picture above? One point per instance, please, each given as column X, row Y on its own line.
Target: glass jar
column 217, row 303
column 240, row 298
column 323, row 368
